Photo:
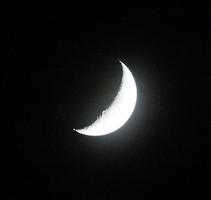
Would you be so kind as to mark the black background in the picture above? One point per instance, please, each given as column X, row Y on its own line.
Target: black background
column 60, row 70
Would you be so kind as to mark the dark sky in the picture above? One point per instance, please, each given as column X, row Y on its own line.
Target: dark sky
column 60, row 70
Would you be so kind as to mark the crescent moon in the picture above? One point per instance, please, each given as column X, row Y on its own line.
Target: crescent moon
column 118, row 113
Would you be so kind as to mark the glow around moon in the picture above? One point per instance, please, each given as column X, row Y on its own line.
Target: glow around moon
column 117, row 114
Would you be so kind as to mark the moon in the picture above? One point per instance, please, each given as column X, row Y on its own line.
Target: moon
column 120, row 110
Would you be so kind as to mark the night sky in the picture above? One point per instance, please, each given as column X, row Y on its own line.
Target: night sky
column 60, row 70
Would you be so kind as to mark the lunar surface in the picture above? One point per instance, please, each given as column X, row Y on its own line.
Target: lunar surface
column 120, row 110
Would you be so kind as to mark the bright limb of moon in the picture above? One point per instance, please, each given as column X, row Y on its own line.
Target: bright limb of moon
column 118, row 113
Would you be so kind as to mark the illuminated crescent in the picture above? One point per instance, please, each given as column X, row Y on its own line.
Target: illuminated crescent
column 117, row 114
